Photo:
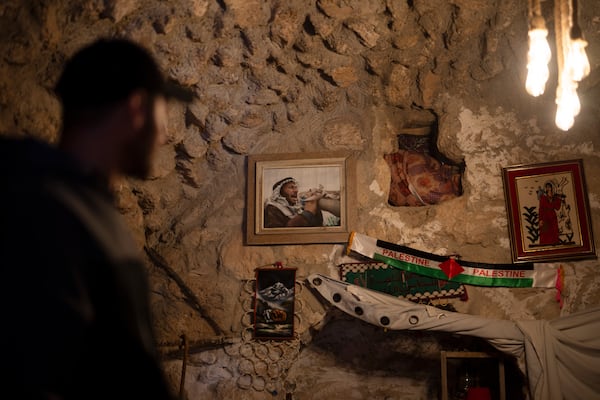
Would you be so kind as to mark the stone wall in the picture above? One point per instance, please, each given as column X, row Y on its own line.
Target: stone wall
column 308, row 76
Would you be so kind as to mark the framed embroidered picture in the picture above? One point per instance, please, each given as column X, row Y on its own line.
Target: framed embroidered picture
column 298, row 198
column 274, row 303
column 548, row 211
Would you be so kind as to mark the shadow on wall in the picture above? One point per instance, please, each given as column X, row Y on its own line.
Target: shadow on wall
column 408, row 355
column 420, row 174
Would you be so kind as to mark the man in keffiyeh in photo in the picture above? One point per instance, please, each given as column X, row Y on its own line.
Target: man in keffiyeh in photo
column 285, row 207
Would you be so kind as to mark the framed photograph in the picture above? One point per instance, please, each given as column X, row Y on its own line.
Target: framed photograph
column 298, row 198
column 274, row 303
column 548, row 211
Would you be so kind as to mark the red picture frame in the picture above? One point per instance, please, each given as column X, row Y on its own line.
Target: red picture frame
column 548, row 211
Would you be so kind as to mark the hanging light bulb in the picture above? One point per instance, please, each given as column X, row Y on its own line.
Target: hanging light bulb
column 564, row 119
column 571, row 59
column 538, row 58
column 567, row 101
column 577, row 63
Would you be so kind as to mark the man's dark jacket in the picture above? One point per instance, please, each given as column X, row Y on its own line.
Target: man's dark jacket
column 74, row 307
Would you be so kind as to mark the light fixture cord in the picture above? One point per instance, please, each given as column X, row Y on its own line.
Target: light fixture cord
column 560, row 10
column 575, row 28
column 536, row 8
column 530, row 10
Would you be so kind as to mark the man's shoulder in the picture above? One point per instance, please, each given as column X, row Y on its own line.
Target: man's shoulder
column 28, row 158
column 16, row 147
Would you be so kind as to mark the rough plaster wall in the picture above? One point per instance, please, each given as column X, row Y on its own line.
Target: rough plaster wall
column 292, row 76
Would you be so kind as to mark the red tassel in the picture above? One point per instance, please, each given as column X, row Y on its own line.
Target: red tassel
column 560, row 283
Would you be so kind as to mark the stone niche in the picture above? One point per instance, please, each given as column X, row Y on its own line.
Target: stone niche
column 293, row 76
column 420, row 174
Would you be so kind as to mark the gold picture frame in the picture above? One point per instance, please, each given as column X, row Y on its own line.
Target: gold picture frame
column 548, row 211
column 332, row 174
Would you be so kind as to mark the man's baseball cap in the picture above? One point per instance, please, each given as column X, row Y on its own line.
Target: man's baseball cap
column 110, row 69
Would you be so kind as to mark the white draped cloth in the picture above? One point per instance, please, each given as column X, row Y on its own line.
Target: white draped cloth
column 562, row 356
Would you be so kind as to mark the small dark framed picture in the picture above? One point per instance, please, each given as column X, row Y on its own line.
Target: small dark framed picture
column 274, row 303
column 548, row 211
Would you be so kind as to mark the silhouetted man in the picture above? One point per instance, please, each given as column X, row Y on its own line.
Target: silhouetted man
column 75, row 313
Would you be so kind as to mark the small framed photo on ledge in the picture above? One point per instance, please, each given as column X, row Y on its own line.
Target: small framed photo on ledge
column 300, row 198
column 548, row 211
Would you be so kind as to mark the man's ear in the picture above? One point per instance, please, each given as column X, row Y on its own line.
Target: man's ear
column 137, row 107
